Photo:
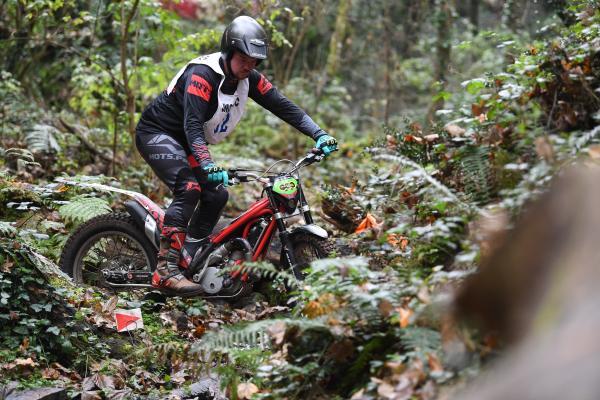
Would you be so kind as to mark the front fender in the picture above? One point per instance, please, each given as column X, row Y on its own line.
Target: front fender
column 311, row 229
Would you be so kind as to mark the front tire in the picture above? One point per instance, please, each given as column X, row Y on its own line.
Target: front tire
column 307, row 248
column 109, row 243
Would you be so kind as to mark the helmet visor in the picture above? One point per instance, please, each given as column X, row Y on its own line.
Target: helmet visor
column 257, row 49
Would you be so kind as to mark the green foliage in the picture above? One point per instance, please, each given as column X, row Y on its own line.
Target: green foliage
column 42, row 138
column 31, row 310
column 263, row 270
column 82, row 208
column 419, row 342
column 251, row 335
column 476, row 173
column 6, row 229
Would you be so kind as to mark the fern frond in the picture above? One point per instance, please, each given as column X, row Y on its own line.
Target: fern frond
column 42, row 138
column 81, row 209
column 7, row 230
column 22, row 157
column 422, row 172
column 419, row 341
column 582, row 140
column 252, row 335
column 476, row 174
column 263, row 270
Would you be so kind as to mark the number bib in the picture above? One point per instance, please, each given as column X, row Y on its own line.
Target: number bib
column 230, row 108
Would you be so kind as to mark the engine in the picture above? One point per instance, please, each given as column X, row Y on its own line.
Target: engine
column 224, row 258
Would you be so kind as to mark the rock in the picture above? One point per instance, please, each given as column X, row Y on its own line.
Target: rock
column 207, row 388
column 39, row 394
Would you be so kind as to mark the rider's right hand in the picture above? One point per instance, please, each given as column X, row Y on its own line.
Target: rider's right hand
column 216, row 174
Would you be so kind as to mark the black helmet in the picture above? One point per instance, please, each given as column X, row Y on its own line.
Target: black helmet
column 246, row 35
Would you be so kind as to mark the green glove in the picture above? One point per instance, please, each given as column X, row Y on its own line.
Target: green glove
column 327, row 144
column 216, row 174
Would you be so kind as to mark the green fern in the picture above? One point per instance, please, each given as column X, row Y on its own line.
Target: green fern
column 252, row 335
column 81, row 209
column 418, row 341
column 42, row 138
column 6, row 229
column 21, row 157
column 263, row 270
column 476, row 174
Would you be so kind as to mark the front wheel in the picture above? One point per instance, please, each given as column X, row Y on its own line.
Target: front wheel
column 307, row 248
column 109, row 251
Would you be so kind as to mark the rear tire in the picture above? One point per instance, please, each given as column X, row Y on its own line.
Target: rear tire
column 109, row 242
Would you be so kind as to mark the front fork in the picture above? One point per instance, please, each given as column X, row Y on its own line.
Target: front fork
column 284, row 235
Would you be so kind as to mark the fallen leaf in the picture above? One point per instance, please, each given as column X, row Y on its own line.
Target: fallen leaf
column 24, row 345
column 91, row 395
column 594, row 152
column 395, row 367
column 386, row 391
column 368, row 222
column 434, row 363
column 423, row 294
column 477, row 109
column 415, row 127
column 405, row 314
column 358, row 395
column 51, row 374
column 544, row 149
column 392, row 142
column 277, row 332
column 397, row 240
column 432, row 137
column 110, row 305
column 455, row 130
column 341, row 350
column 246, row 390
column 385, row 307
column 199, row 330
column 7, row 266
column 269, row 311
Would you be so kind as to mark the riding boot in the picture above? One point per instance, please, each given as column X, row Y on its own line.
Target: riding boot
column 190, row 246
column 168, row 278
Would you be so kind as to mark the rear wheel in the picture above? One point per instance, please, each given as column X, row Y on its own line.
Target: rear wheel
column 109, row 251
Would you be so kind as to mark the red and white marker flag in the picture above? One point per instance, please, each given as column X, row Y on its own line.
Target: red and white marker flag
column 128, row 320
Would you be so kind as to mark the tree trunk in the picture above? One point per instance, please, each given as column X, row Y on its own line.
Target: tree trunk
column 124, row 55
column 337, row 38
column 387, row 21
column 513, row 13
column 443, row 21
column 474, row 15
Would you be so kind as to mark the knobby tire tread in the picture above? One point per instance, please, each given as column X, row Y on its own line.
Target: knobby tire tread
column 119, row 221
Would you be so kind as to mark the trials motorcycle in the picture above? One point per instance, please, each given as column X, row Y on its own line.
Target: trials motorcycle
column 118, row 250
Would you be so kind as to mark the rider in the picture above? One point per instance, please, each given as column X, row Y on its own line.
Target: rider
column 201, row 106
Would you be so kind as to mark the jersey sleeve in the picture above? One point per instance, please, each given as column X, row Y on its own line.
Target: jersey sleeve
column 199, row 87
column 267, row 96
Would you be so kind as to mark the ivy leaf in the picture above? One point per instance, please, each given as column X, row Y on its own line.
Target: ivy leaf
column 474, row 86
column 54, row 330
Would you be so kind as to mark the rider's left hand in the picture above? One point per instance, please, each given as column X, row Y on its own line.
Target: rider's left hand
column 327, row 144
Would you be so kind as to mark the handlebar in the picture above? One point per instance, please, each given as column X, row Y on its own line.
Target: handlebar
column 238, row 175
